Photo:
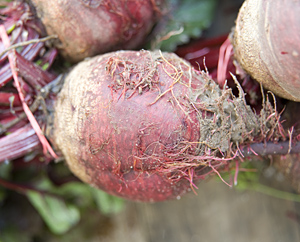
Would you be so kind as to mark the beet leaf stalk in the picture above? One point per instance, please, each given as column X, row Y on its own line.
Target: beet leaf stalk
column 23, row 48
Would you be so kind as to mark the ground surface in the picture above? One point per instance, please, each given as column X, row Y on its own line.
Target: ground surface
column 216, row 214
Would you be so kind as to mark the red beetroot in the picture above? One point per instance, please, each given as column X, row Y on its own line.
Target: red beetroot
column 86, row 28
column 119, row 140
column 146, row 126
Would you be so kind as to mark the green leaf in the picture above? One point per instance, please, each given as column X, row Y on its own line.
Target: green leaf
column 5, row 170
column 189, row 19
column 61, row 210
column 5, row 173
column 107, row 204
column 2, row 195
column 13, row 234
column 77, row 192
column 45, row 66
column 10, row 29
column 58, row 215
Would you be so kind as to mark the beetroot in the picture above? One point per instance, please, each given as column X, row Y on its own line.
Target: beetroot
column 146, row 125
column 86, row 28
column 266, row 44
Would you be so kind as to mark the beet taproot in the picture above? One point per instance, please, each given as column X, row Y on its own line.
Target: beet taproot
column 146, row 125
column 86, row 28
column 266, row 44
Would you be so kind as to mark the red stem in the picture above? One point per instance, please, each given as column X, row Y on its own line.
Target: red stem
column 280, row 148
column 14, row 187
column 19, row 143
column 5, row 99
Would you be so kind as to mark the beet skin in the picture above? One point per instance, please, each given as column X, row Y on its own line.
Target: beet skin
column 86, row 28
column 266, row 44
column 114, row 136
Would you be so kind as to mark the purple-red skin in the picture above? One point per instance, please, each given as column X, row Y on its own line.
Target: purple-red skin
column 89, row 27
column 123, row 140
